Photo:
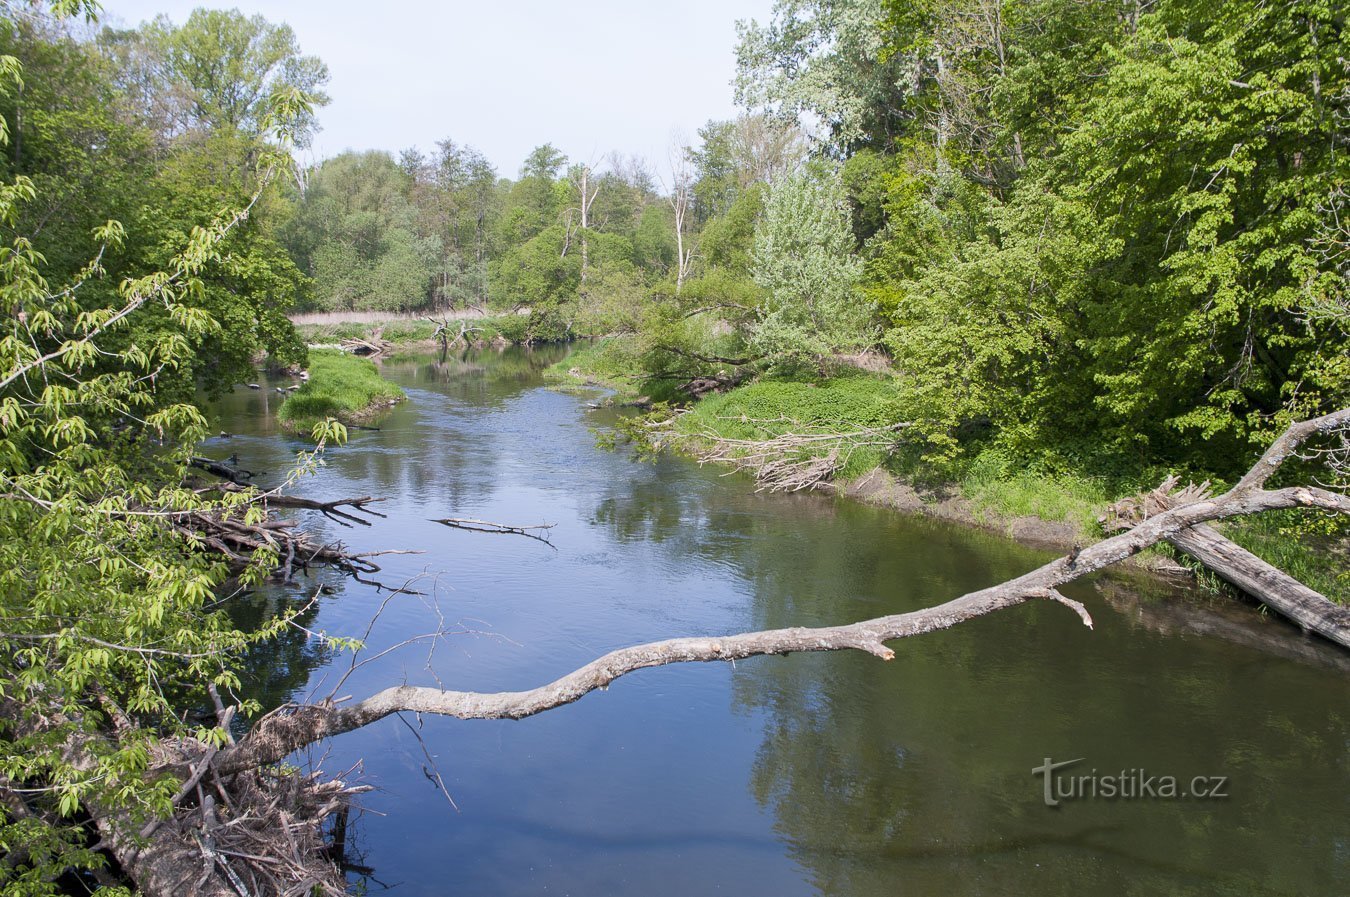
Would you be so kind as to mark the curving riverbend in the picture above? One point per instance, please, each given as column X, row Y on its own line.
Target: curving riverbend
column 812, row 774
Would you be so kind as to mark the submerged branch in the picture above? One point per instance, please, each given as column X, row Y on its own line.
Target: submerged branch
column 539, row 531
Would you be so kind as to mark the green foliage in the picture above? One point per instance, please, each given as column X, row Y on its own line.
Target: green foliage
column 355, row 232
column 609, row 362
column 825, row 59
column 996, row 482
column 728, row 242
column 456, row 199
column 840, row 404
column 1310, row 549
column 1130, row 222
column 654, row 240
column 804, row 261
column 110, row 613
column 340, row 386
column 219, row 72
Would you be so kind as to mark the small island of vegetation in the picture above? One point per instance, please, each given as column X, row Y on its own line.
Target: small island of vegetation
column 340, row 386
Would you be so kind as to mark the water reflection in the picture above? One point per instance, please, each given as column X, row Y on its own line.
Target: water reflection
column 831, row 774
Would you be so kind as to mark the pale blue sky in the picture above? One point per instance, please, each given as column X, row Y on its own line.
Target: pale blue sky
column 589, row 76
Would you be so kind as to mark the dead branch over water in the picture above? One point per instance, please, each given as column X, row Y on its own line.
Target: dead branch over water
column 280, row 735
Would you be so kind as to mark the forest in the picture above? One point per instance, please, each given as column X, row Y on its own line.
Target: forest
column 1067, row 247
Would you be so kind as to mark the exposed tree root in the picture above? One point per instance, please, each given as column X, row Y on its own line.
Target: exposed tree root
column 253, row 833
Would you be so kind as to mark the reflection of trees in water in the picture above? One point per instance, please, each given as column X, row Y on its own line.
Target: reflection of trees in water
column 914, row 776
column 488, row 377
column 272, row 673
column 444, row 447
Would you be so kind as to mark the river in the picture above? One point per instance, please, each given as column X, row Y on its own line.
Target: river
column 833, row 774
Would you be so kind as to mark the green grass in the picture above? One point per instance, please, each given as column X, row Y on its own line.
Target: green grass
column 341, row 386
column 605, row 362
column 997, row 486
column 769, row 408
column 1314, row 549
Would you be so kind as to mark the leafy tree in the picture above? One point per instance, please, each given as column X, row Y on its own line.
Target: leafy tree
column 109, row 613
column 824, row 62
column 218, row 71
column 804, row 261
column 355, row 231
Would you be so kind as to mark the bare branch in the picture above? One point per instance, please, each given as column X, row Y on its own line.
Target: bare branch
column 1288, row 444
column 486, row 526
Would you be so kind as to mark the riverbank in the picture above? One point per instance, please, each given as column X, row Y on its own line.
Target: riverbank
column 340, row 386
column 1056, row 506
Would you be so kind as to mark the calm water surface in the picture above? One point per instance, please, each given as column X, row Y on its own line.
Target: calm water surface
column 813, row 774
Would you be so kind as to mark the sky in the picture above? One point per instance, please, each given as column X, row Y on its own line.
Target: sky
column 588, row 76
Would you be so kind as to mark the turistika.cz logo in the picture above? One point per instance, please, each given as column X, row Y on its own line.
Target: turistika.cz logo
column 1127, row 784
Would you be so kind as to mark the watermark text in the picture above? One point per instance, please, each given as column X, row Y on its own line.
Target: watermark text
column 1060, row 784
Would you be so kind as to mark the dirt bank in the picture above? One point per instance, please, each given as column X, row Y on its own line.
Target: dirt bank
column 881, row 488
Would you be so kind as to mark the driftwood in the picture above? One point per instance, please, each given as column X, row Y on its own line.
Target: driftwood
column 1272, row 586
column 539, row 531
column 230, row 537
column 801, row 458
column 1268, row 584
column 443, row 328
column 333, row 510
column 366, row 347
column 223, row 469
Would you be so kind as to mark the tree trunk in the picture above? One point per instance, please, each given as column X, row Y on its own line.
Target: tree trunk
column 1269, row 585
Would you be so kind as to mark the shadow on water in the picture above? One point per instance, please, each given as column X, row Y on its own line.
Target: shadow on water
column 810, row 774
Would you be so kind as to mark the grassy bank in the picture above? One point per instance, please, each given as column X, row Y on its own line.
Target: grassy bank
column 606, row 362
column 991, row 487
column 340, row 386
column 768, row 409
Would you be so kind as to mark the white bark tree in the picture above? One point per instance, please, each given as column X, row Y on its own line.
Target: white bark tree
column 587, row 186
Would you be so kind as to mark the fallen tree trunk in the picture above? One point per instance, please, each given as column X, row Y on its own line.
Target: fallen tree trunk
column 223, row 470
column 1268, row 584
column 1234, row 564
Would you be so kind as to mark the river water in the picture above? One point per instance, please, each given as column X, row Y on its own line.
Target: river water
column 811, row 774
